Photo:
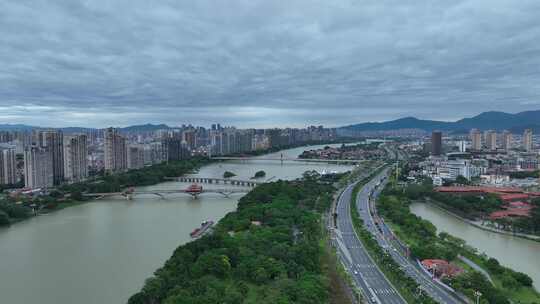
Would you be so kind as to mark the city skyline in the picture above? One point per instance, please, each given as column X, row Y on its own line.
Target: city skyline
column 252, row 151
column 88, row 64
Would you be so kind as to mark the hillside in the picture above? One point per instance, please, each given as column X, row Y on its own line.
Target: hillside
column 484, row 121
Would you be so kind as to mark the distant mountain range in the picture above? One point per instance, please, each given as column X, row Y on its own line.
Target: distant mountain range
column 493, row 120
column 516, row 123
column 135, row 128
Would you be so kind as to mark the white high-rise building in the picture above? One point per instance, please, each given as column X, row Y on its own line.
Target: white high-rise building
column 115, row 151
column 491, row 140
column 38, row 167
column 506, row 140
column 8, row 167
column 476, row 139
column 527, row 140
column 75, row 158
column 216, row 142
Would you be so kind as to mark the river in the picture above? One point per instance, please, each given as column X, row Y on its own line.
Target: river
column 517, row 253
column 102, row 251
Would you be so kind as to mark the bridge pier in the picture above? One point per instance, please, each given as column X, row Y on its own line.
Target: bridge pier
column 217, row 181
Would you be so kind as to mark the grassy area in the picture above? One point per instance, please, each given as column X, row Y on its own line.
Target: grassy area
column 333, row 270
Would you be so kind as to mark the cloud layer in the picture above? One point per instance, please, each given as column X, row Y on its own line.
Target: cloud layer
column 264, row 63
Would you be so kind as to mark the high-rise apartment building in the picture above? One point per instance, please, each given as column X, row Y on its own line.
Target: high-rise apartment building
column 436, row 143
column 491, row 140
column 506, row 140
column 115, row 151
column 528, row 140
column 476, row 140
column 174, row 149
column 8, row 167
column 259, row 142
column 38, row 167
column 216, row 142
column 53, row 140
column 135, row 157
column 153, row 153
column 75, row 158
column 189, row 138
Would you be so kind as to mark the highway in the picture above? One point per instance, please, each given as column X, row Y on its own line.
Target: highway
column 387, row 240
column 354, row 256
column 362, row 268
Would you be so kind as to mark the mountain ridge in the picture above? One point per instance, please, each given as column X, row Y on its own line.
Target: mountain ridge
column 490, row 120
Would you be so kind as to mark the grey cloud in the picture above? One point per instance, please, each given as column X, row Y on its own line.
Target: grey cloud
column 264, row 63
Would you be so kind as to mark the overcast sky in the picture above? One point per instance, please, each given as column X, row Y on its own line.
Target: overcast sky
column 264, row 63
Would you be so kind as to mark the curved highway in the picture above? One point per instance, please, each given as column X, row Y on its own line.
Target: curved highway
column 387, row 240
column 362, row 268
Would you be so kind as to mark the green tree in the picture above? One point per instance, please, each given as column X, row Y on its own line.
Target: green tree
column 509, row 282
column 4, row 218
column 522, row 278
column 228, row 174
column 462, row 180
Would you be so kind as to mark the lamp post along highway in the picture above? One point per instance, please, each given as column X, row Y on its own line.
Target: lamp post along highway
column 478, row 294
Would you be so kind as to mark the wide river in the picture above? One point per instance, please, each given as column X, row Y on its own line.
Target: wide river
column 101, row 252
column 517, row 253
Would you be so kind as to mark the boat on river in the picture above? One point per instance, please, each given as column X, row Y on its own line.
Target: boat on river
column 198, row 232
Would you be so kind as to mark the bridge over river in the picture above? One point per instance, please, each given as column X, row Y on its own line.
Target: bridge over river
column 211, row 180
column 162, row 192
column 282, row 159
column 193, row 190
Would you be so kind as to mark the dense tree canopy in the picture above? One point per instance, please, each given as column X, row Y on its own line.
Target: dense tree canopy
column 265, row 252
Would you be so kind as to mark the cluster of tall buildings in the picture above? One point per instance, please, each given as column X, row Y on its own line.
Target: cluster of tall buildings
column 491, row 141
column 488, row 140
column 49, row 158
column 53, row 158
column 485, row 153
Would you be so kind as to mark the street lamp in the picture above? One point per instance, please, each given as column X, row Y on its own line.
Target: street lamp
column 478, row 294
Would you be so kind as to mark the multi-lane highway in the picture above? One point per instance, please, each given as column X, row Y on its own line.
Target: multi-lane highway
column 362, row 268
column 387, row 240
column 367, row 276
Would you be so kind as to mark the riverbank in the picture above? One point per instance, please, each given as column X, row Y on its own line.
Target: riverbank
column 529, row 237
column 421, row 237
column 299, row 145
column 69, row 195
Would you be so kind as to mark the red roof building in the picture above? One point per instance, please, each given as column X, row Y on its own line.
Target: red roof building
column 470, row 189
column 509, row 197
column 442, row 268
column 509, row 213
column 513, row 198
column 519, row 205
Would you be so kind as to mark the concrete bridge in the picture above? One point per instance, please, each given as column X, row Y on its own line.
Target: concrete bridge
column 211, row 180
column 162, row 192
column 282, row 159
